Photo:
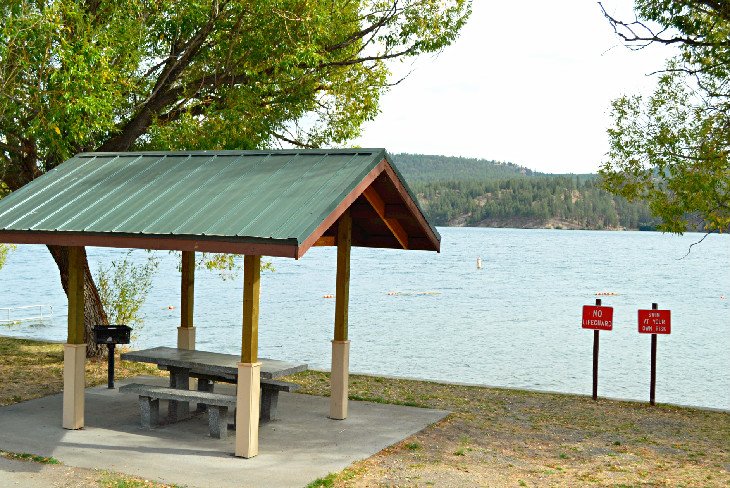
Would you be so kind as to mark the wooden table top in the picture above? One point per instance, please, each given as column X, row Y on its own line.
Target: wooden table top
column 213, row 363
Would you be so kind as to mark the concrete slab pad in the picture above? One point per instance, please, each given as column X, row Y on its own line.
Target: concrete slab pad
column 304, row 445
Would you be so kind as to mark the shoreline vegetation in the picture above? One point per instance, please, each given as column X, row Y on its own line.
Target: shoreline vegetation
column 493, row 436
column 468, row 192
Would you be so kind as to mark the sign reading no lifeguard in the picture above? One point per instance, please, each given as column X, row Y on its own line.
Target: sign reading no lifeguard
column 655, row 321
column 597, row 318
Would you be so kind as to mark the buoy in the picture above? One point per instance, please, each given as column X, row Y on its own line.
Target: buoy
column 479, row 262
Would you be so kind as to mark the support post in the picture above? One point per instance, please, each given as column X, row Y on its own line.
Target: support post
column 74, row 351
column 110, row 367
column 652, row 381
column 340, row 371
column 249, row 369
column 186, row 331
column 595, row 358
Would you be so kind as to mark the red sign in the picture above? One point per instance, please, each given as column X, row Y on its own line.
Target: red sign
column 655, row 321
column 597, row 318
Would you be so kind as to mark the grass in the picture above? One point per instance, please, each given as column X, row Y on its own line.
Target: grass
column 114, row 480
column 493, row 437
column 334, row 479
column 24, row 456
column 33, row 369
column 501, row 437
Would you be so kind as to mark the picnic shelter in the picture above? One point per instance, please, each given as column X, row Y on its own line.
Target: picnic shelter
column 254, row 203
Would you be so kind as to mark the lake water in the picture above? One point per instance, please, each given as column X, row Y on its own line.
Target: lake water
column 514, row 323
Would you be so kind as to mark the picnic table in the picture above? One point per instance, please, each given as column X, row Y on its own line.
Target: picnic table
column 208, row 367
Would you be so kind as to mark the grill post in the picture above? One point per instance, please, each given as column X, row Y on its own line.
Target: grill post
column 110, row 367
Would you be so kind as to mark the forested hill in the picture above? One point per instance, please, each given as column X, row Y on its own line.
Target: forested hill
column 475, row 192
column 423, row 167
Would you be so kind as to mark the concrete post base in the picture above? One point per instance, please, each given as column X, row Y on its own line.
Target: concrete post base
column 74, row 360
column 186, row 338
column 247, row 409
column 339, row 379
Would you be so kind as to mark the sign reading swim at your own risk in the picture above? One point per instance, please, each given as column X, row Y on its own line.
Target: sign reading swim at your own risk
column 654, row 322
column 597, row 318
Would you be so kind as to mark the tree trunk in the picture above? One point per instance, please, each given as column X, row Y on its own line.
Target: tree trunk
column 93, row 310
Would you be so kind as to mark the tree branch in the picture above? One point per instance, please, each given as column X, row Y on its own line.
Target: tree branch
column 689, row 250
column 632, row 36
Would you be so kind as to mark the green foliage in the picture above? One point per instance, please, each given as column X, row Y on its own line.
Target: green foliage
column 325, row 482
column 4, row 248
column 520, row 201
column 213, row 74
column 672, row 148
column 225, row 264
column 123, row 288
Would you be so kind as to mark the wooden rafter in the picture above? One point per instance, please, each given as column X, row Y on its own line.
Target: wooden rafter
column 372, row 196
column 326, row 241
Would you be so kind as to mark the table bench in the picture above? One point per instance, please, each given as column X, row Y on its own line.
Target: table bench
column 216, row 404
column 269, row 392
column 149, row 405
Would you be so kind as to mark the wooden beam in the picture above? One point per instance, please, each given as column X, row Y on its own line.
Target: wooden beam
column 413, row 206
column 187, row 285
column 342, row 290
column 378, row 205
column 75, row 296
column 286, row 248
column 326, row 241
column 251, row 289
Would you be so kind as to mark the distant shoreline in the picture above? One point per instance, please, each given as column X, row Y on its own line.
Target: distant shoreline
column 530, row 223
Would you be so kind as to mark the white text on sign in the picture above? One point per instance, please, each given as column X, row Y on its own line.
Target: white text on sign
column 655, row 321
column 597, row 318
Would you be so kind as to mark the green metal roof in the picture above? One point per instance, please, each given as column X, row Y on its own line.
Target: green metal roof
column 227, row 201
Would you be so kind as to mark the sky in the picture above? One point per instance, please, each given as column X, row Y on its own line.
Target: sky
column 526, row 82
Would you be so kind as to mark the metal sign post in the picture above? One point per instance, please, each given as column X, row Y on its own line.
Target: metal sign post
column 654, row 322
column 597, row 318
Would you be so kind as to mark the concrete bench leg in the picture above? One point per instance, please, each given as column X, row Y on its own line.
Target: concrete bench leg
column 269, row 404
column 176, row 410
column 218, row 421
column 149, row 411
column 204, row 385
